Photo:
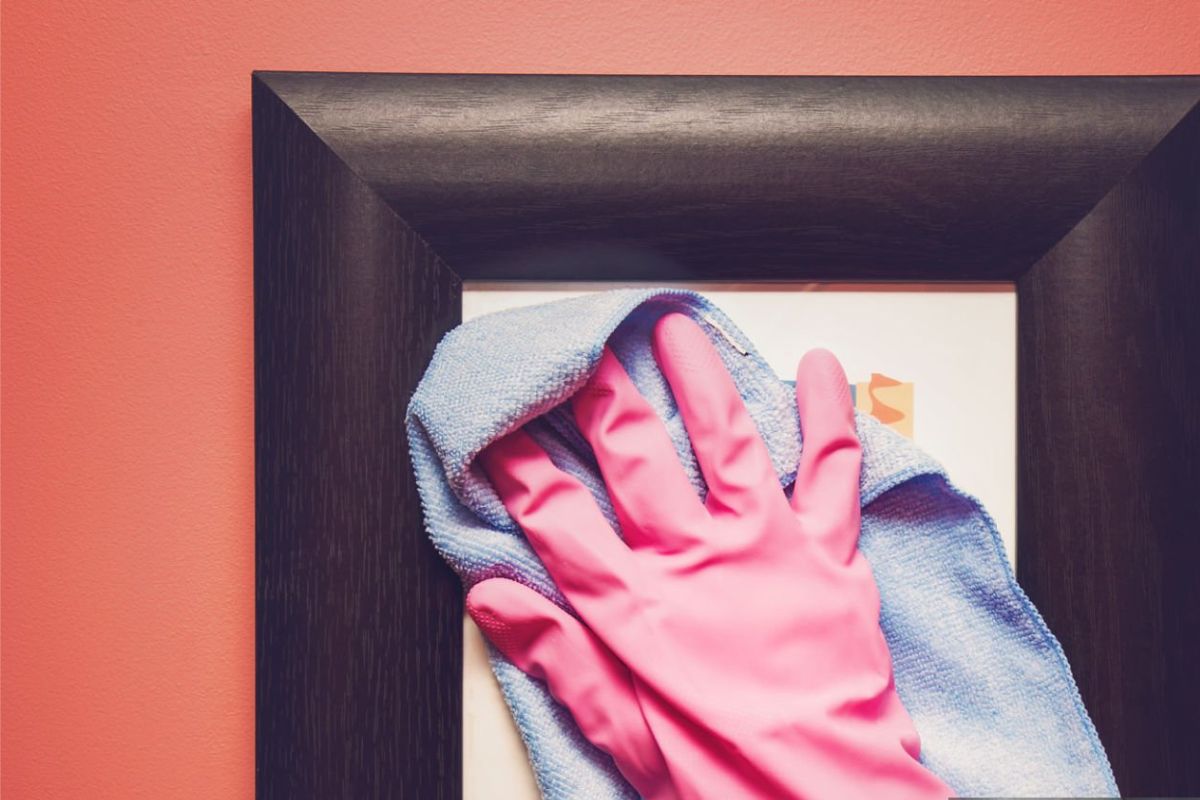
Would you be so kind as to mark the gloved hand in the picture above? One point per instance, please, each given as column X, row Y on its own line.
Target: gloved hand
column 727, row 649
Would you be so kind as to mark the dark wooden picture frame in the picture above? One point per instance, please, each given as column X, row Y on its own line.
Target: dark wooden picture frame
column 377, row 195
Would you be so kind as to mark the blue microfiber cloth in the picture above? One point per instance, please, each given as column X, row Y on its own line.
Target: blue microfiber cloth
column 984, row 680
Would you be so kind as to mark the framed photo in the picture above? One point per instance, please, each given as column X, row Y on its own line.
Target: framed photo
column 378, row 197
column 935, row 362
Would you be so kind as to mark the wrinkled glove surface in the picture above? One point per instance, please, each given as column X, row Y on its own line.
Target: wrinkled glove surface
column 723, row 648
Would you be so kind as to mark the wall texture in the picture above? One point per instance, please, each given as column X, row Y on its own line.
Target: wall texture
column 127, row 505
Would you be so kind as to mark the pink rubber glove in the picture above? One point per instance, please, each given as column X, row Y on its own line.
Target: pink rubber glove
column 725, row 649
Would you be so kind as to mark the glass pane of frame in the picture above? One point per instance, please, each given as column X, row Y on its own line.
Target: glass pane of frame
column 936, row 362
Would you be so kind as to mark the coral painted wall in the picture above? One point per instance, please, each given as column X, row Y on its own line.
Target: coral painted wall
column 127, row 563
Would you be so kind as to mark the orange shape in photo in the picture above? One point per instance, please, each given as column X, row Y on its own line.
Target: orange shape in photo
column 888, row 400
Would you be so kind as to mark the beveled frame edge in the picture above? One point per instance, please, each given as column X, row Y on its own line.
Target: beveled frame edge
column 359, row 263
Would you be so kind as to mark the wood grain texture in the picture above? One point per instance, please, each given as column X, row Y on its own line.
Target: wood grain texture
column 376, row 194
column 1109, row 455
column 766, row 177
column 359, row 632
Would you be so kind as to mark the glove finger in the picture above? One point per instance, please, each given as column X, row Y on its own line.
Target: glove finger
column 735, row 462
column 549, row 644
column 654, row 501
column 586, row 558
column 826, row 494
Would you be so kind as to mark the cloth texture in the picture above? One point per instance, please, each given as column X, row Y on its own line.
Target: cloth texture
column 985, row 682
